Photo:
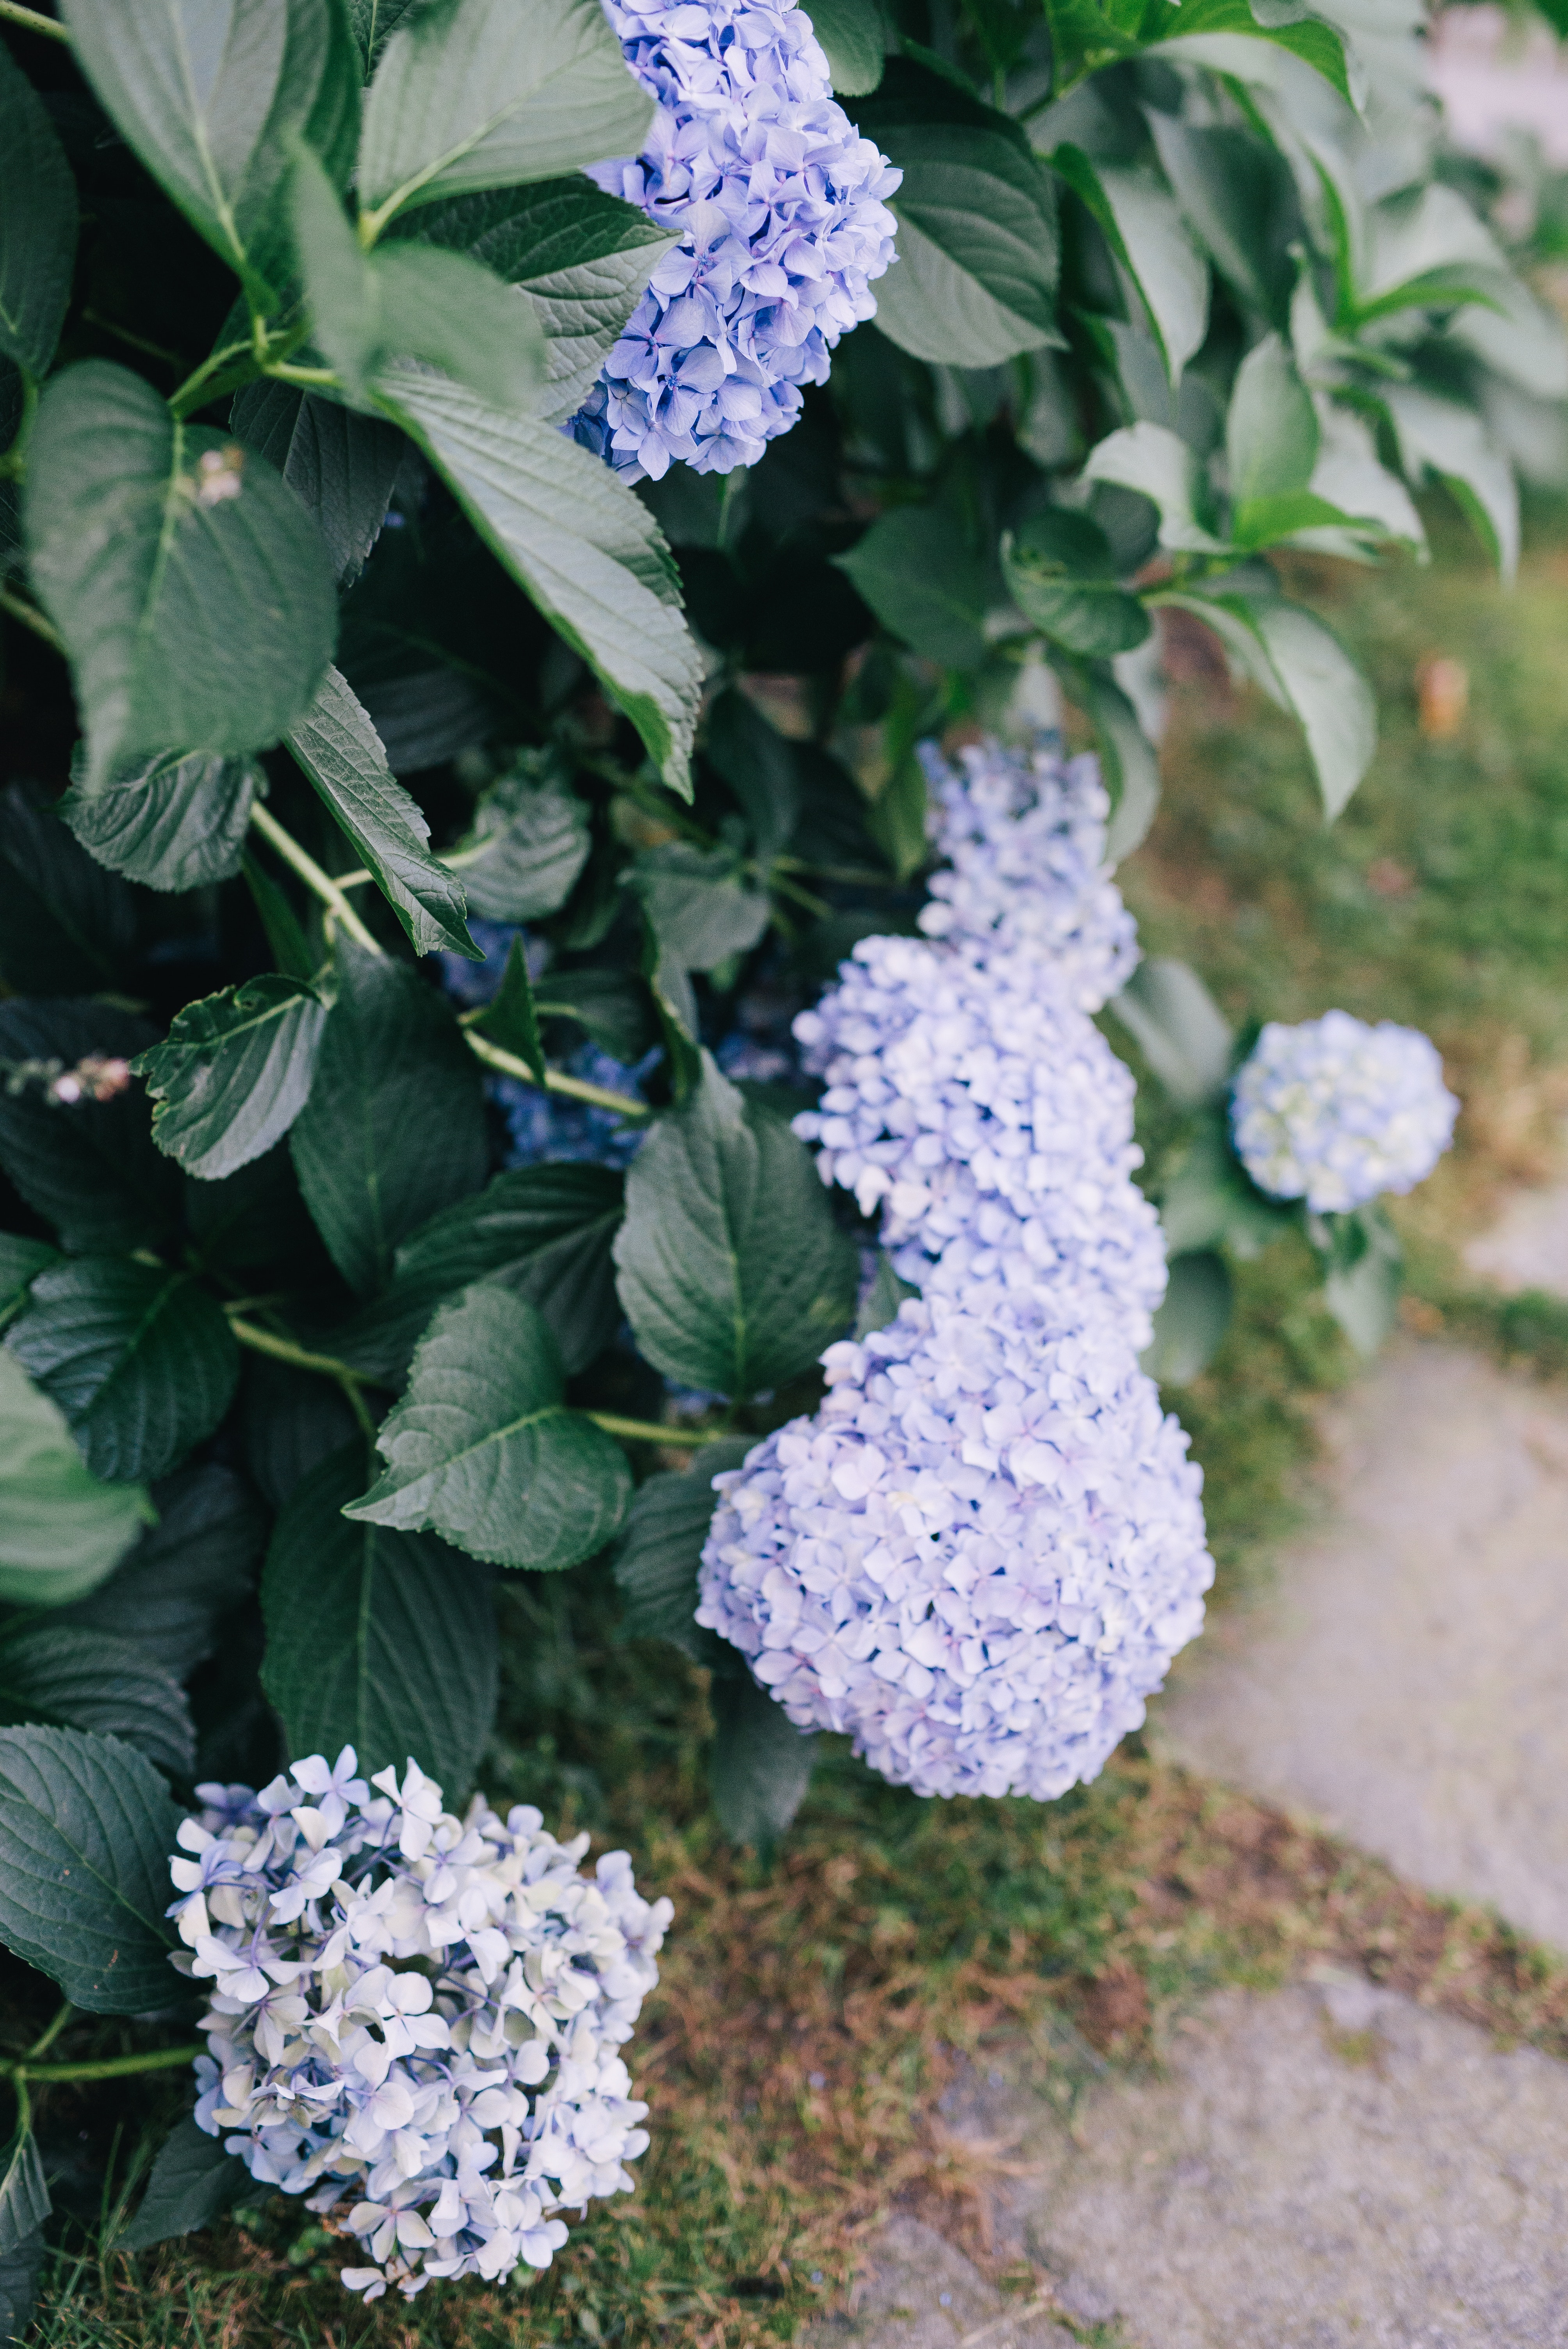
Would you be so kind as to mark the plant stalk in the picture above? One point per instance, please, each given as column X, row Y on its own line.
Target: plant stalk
column 13, row 12
column 21, row 2069
column 645, row 1430
column 575, row 1088
column 31, row 618
column 322, row 884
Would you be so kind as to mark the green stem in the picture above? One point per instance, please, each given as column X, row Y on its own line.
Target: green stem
column 31, row 618
column 13, row 12
column 314, row 879
column 576, row 1087
column 183, row 402
column 645, row 1430
column 113, row 2068
column 16, row 457
column 327, row 1366
column 132, row 342
column 50, row 2034
column 311, row 377
column 788, row 888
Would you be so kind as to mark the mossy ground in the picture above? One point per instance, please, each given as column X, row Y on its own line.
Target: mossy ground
column 810, row 2012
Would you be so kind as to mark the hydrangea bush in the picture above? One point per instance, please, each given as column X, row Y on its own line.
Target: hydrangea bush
column 545, row 552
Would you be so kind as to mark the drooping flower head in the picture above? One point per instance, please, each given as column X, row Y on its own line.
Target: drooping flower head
column 414, row 2015
column 1335, row 1111
column 780, row 206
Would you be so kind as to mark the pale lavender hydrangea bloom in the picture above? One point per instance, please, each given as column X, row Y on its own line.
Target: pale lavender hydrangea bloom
column 1335, row 1111
column 977, row 1559
column 1024, row 831
column 414, row 2015
column 779, row 205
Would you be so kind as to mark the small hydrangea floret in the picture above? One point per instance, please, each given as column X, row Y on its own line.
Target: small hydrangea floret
column 414, row 2020
column 780, row 209
column 1336, row 1112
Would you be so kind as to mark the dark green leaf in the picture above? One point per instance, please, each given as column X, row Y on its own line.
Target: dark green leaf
column 426, row 716
column 581, row 543
column 1236, row 193
column 1158, row 465
column 1179, row 1029
column 528, row 843
column 1441, row 437
column 24, row 2195
column 21, row 1261
column 195, row 597
column 212, row 106
column 374, row 23
column 758, row 765
column 194, row 2181
column 880, row 1306
column 1366, row 1274
column 254, row 1217
column 18, row 2285
column 38, row 224
column 382, row 1641
column 395, row 1126
column 1059, row 574
column 341, row 751
column 292, row 1420
column 1271, row 437
column 291, row 950
column 921, row 579
column 853, row 34
column 87, row 1827
column 701, row 910
column 60, row 1530
column 608, row 1004
column 1199, row 21
column 73, row 1679
column 732, row 1271
column 139, row 1358
column 1190, row 1322
column 66, row 926
column 975, row 279
column 658, row 1550
column 486, row 93
column 340, row 465
column 1147, row 234
column 1129, row 760
column 483, row 1450
column 90, row 1169
column 511, row 1020
column 234, row 1074
column 171, row 823
column 186, row 1573
column 1210, row 1202
column 760, row 1766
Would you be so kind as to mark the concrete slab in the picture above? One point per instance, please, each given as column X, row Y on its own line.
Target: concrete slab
column 1527, row 1247
column 917, row 2291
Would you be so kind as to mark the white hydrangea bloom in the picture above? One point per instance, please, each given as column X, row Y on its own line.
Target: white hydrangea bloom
column 1335, row 1111
column 1024, row 832
column 978, row 1559
column 414, row 2014
column 993, row 1121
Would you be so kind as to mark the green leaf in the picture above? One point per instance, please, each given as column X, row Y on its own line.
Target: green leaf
column 292, row 1422
column 1237, row 196
column 1129, row 760
column 1145, row 231
column 488, row 93
column 340, row 465
column 882, row 1303
column 529, row 842
column 194, row 597
column 1179, row 1029
column 213, row 104
column 1270, row 434
column 1439, row 436
column 1192, row 1322
column 1210, row 1201
column 60, row 1530
column 194, row 2181
column 659, row 1547
column 582, row 258
column 609, row 1004
column 24, row 2194
column 483, row 1450
column 583, row 546
column 18, row 2285
column 1059, row 572
column 91, row 1170
column 187, row 1571
column 1158, row 464
column 395, row 1126
column 512, row 1019
column 977, row 251
column 920, row 576
column 382, row 1641
column 758, row 765
column 170, row 822
column 341, row 753
column 291, row 950
column 66, row 926
column 38, row 224
column 1301, row 664
column 1204, row 30
column 87, row 1827
column 139, row 1358
column 70, row 1678
column 234, row 1074
column 1366, row 1274
column 732, row 1271
column 701, row 910
column 374, row 23
column 410, row 301
column 760, row 1766
column 21, row 1261
column 854, row 41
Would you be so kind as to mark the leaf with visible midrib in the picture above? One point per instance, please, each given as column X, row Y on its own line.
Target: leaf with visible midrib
column 378, row 1640
column 173, row 824
column 87, row 1827
column 39, row 213
column 186, row 1573
column 194, row 2181
column 659, row 1548
column 732, row 1271
column 340, row 465
column 24, row 2193
column 234, row 1074
column 483, row 1449
column 72, row 1678
column 61, row 1531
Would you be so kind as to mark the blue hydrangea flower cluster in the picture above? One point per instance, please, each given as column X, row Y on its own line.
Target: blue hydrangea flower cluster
column 415, row 2015
column 779, row 205
column 1335, row 1111
column 980, row 1556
